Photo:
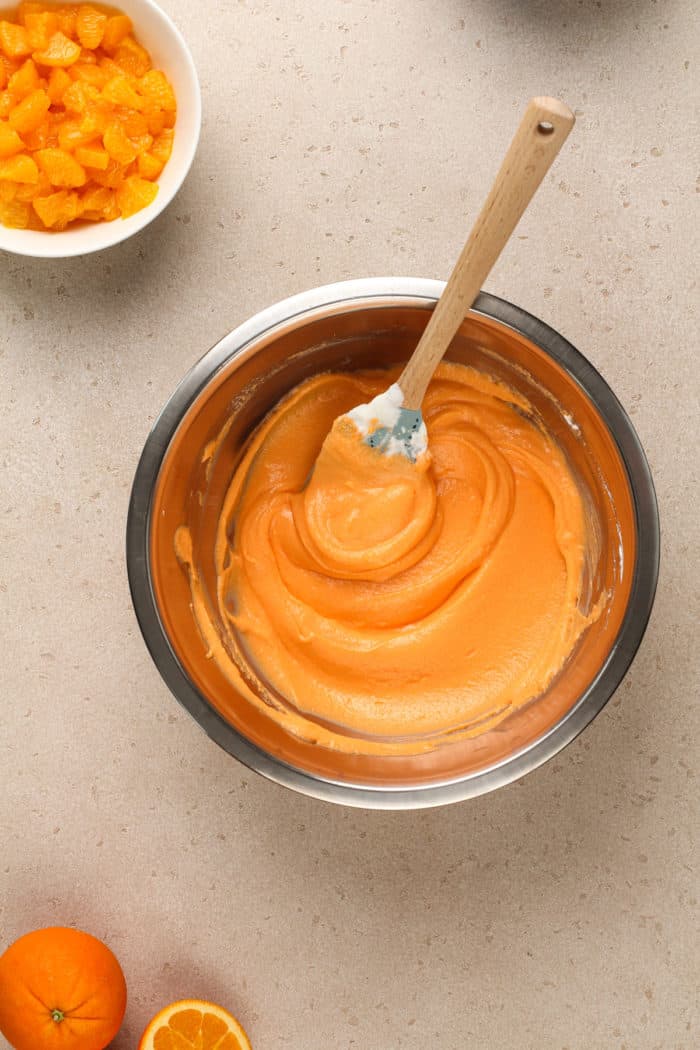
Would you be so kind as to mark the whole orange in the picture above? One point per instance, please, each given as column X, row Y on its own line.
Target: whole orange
column 60, row 989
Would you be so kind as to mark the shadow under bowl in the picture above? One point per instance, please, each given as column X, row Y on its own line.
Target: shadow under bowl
column 369, row 324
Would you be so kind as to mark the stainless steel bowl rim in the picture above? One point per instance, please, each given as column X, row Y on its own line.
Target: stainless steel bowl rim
column 383, row 291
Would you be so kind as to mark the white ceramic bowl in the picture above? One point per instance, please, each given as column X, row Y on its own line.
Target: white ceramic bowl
column 169, row 52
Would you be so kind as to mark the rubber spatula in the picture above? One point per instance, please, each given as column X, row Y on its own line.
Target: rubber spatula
column 393, row 422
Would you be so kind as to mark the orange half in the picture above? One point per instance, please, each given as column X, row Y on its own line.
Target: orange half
column 197, row 1024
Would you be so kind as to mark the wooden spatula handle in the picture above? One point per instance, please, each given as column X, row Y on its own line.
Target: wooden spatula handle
column 542, row 132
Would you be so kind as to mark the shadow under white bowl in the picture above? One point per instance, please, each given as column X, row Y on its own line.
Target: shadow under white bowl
column 169, row 52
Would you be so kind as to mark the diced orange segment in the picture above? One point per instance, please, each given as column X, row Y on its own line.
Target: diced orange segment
column 92, row 157
column 141, row 143
column 79, row 96
column 90, row 26
column 24, row 81
column 132, row 58
column 59, row 82
column 29, row 7
column 20, row 168
column 118, row 145
column 117, row 29
column 134, row 124
column 156, row 86
column 14, row 40
column 40, row 25
column 72, row 134
column 89, row 73
column 30, row 112
column 135, row 194
column 149, row 166
column 15, row 214
column 119, row 91
column 156, row 121
column 60, row 51
column 96, row 198
column 67, row 19
column 58, row 209
column 112, row 176
column 30, row 190
column 7, row 103
column 61, row 167
column 10, row 142
column 163, row 145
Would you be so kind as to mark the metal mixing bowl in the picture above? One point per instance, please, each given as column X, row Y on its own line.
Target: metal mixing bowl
column 374, row 323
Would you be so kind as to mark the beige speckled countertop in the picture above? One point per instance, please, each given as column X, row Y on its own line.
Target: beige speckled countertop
column 346, row 138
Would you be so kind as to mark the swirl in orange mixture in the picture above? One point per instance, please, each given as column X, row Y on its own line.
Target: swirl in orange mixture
column 387, row 605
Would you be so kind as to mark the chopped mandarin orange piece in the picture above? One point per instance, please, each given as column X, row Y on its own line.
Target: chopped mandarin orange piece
column 90, row 26
column 59, row 82
column 141, row 143
column 24, row 81
column 96, row 198
column 132, row 58
column 10, row 65
column 68, row 19
column 117, row 29
column 72, row 135
column 79, row 96
column 14, row 40
column 149, row 167
column 57, row 209
column 20, row 168
column 40, row 137
column 7, row 103
column 10, row 142
column 92, row 157
column 134, row 124
column 15, row 214
column 30, row 190
column 61, row 167
column 118, row 145
column 60, row 51
column 110, row 66
column 29, row 7
column 120, row 91
column 3, row 77
column 89, row 73
column 111, row 211
column 156, row 86
column 8, row 191
column 40, row 28
column 30, row 112
column 112, row 176
column 156, row 121
column 163, row 146
column 135, row 194
column 107, row 209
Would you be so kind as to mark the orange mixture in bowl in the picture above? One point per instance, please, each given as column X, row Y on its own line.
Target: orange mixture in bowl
column 386, row 607
column 86, row 123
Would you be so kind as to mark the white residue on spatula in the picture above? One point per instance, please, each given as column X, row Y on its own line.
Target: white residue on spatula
column 384, row 411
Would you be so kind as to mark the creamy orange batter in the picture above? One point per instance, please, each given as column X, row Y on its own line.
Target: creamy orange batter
column 386, row 606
